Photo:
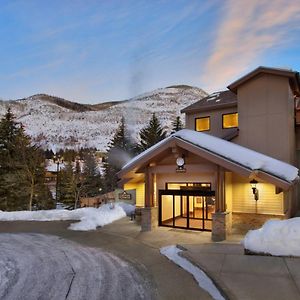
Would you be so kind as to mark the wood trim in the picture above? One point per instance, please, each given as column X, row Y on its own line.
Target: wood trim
column 234, row 167
column 142, row 160
column 190, row 168
column 206, row 154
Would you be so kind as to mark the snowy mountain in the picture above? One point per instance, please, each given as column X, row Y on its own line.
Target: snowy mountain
column 57, row 123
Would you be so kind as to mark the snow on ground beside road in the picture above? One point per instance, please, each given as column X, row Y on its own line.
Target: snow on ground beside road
column 275, row 237
column 172, row 253
column 90, row 218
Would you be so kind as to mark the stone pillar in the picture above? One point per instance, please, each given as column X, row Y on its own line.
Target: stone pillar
column 149, row 219
column 221, row 226
column 138, row 215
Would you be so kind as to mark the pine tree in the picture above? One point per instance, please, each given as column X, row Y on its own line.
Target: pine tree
column 177, row 125
column 119, row 152
column 92, row 182
column 71, row 184
column 151, row 134
column 66, row 185
column 22, row 170
column 78, row 182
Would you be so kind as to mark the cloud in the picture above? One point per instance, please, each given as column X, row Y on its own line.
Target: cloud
column 245, row 34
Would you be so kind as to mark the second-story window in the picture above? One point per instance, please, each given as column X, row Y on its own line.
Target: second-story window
column 202, row 124
column 230, row 120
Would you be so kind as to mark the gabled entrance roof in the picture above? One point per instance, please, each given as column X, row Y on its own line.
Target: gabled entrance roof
column 231, row 156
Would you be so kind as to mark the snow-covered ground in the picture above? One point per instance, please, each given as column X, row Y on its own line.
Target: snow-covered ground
column 275, row 237
column 36, row 266
column 89, row 218
column 172, row 253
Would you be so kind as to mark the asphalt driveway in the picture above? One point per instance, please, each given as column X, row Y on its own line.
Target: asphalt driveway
column 36, row 266
column 48, row 261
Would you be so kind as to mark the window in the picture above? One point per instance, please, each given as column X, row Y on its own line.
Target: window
column 230, row 120
column 202, row 124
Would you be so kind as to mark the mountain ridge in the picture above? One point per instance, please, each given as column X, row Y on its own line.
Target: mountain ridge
column 54, row 122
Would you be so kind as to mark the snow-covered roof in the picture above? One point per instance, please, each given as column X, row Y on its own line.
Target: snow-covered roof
column 237, row 154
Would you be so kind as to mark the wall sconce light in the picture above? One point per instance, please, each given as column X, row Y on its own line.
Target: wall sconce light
column 180, row 164
column 253, row 183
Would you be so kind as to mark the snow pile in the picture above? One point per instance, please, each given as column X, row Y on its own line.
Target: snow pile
column 128, row 208
column 275, row 237
column 171, row 252
column 246, row 157
column 98, row 217
column 90, row 218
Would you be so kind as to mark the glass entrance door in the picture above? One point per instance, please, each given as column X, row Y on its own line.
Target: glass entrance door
column 186, row 209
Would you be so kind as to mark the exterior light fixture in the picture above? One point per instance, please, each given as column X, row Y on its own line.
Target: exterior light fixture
column 180, row 164
column 253, row 183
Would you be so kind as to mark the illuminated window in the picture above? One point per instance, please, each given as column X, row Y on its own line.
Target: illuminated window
column 230, row 120
column 202, row 124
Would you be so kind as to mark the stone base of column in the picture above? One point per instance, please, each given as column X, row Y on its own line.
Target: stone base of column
column 149, row 220
column 221, row 226
column 138, row 215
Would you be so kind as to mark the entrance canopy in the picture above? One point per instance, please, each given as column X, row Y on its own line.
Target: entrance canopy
column 228, row 155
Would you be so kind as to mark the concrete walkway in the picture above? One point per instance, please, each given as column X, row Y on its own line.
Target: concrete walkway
column 246, row 277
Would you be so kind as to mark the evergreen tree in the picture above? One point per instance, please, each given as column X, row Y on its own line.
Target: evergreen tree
column 177, row 125
column 78, row 183
column 151, row 134
column 22, row 171
column 92, row 182
column 32, row 174
column 66, row 185
column 49, row 154
column 71, row 184
column 119, row 152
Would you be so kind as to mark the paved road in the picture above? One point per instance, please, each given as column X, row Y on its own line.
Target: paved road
column 141, row 249
column 36, row 266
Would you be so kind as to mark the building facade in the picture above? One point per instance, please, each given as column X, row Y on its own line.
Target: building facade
column 234, row 167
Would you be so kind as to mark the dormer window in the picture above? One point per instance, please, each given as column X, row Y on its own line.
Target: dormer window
column 202, row 124
column 230, row 120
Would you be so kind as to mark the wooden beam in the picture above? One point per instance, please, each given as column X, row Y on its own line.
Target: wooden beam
column 149, row 188
column 220, row 190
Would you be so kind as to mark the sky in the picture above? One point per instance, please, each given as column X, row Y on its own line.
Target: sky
column 94, row 51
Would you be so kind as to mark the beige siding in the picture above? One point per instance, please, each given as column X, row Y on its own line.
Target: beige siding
column 140, row 192
column 266, row 117
column 243, row 199
column 216, row 127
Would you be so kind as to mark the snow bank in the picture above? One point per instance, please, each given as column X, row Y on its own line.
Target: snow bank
column 90, row 218
column 276, row 237
column 243, row 156
column 171, row 252
column 128, row 208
